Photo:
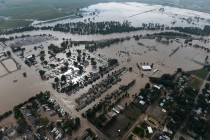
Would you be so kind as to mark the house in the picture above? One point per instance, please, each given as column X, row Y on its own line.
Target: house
column 83, row 136
column 120, row 107
column 146, row 68
column 58, row 137
column 103, row 90
column 116, row 111
column 142, row 102
column 97, row 95
column 141, row 97
column 157, row 87
column 29, row 57
column 164, row 137
column 10, row 131
column 150, row 130
column 81, row 106
column 89, row 100
column 2, row 54
column 89, row 138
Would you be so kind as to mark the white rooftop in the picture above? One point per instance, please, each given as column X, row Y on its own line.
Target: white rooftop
column 150, row 129
column 142, row 102
column 146, row 67
column 157, row 87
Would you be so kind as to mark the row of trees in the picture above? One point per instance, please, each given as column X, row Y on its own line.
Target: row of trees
column 109, row 27
column 5, row 115
column 165, row 80
column 194, row 30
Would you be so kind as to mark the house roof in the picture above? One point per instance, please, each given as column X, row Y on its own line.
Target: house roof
column 150, row 129
column 146, row 67
column 142, row 102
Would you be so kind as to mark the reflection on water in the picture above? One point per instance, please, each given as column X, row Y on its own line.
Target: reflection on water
column 138, row 13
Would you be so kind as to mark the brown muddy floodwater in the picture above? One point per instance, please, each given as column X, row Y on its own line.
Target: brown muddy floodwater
column 3, row 71
column 129, row 53
column 9, row 64
column 16, row 89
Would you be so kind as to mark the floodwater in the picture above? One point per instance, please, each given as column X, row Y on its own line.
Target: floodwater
column 150, row 52
column 27, row 87
column 76, row 37
column 16, row 89
column 10, row 65
column 156, row 53
column 3, row 71
column 137, row 14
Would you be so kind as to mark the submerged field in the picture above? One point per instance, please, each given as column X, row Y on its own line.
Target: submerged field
column 37, row 10
column 51, row 9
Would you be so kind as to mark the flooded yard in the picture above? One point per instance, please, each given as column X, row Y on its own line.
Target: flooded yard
column 10, row 65
column 3, row 71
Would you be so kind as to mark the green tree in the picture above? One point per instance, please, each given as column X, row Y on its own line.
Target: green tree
column 78, row 58
column 68, row 54
column 56, row 79
column 63, row 78
column 181, row 138
column 80, row 68
column 42, row 58
column 33, row 56
column 9, row 53
column 42, row 72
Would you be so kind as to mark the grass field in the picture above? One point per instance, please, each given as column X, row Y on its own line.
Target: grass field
column 47, row 9
column 201, row 73
column 195, row 83
column 7, row 24
column 41, row 9
column 139, row 131
column 31, row 12
column 38, row 9
column 123, row 121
